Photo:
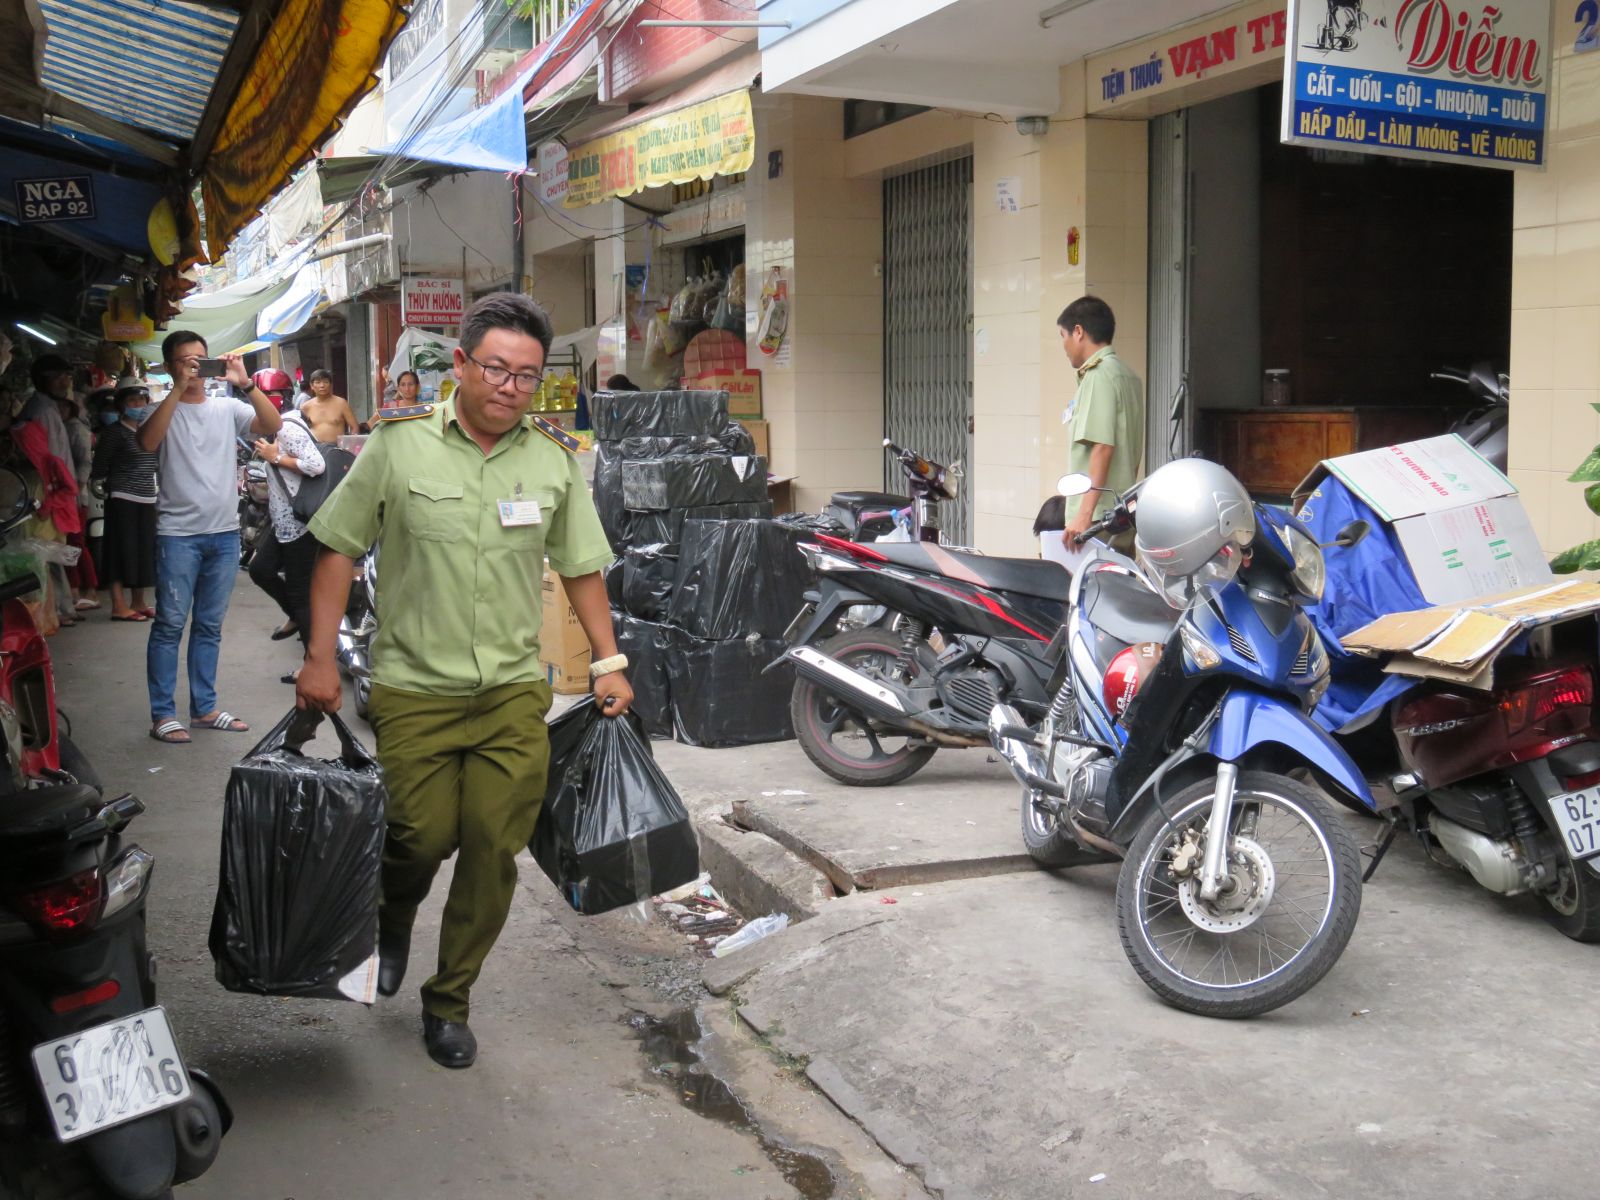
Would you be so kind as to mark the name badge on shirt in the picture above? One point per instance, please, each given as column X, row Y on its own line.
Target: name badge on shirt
column 515, row 513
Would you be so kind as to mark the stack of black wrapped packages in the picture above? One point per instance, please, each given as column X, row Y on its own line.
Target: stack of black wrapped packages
column 705, row 582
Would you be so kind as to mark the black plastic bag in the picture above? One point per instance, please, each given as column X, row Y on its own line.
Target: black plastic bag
column 693, row 481
column 619, row 415
column 665, row 526
column 720, row 696
column 612, row 830
column 647, row 577
column 736, row 439
column 302, row 846
column 736, row 578
column 646, row 644
column 613, row 578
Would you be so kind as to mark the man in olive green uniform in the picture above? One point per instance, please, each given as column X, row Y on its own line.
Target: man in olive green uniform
column 466, row 500
column 1106, row 418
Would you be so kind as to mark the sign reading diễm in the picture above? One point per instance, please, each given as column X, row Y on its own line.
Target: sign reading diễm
column 699, row 141
column 1456, row 80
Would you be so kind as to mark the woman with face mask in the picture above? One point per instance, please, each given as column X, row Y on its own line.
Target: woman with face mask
column 126, row 475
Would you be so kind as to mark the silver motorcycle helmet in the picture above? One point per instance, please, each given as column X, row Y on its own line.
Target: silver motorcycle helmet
column 1194, row 521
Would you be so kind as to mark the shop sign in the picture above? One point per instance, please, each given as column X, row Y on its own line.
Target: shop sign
column 1239, row 37
column 425, row 300
column 58, row 198
column 743, row 385
column 1435, row 79
column 714, row 137
column 553, row 173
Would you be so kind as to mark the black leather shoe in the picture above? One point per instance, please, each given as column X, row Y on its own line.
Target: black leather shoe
column 450, row 1043
column 393, row 952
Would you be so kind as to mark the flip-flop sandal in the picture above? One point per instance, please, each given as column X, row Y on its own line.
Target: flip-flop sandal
column 132, row 616
column 149, row 612
column 168, row 730
column 224, row 721
column 86, row 604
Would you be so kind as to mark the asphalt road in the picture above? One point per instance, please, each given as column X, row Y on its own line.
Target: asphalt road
column 336, row 1101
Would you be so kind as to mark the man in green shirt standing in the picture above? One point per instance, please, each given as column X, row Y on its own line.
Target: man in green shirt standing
column 466, row 500
column 1105, row 418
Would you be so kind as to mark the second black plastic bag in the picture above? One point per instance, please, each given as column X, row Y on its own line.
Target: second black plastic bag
column 302, row 846
column 612, row 830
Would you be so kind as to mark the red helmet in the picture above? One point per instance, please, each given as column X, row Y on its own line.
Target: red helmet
column 270, row 379
column 1129, row 669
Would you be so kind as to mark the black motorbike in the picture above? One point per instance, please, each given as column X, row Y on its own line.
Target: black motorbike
column 873, row 702
column 1486, row 427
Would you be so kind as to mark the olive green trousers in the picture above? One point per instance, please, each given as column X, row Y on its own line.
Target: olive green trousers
column 465, row 775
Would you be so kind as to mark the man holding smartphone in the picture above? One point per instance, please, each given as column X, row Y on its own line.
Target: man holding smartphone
column 197, row 527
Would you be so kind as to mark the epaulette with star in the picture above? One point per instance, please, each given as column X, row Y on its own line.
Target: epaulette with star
column 409, row 413
column 557, row 435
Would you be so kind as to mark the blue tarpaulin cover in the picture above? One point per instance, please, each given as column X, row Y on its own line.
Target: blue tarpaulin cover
column 491, row 138
column 1366, row 581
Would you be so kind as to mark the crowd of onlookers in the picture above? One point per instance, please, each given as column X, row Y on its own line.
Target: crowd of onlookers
column 137, row 485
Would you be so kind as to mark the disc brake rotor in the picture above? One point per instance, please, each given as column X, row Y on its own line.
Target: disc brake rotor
column 1250, row 868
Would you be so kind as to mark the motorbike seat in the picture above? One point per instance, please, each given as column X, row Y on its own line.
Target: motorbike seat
column 1123, row 607
column 856, row 500
column 47, row 810
column 1024, row 576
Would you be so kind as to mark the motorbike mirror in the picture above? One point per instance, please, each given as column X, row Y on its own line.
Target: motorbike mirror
column 1351, row 534
column 1484, row 381
column 1075, row 484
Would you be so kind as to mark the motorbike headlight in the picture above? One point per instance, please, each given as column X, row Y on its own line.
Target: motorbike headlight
column 1310, row 573
column 1197, row 648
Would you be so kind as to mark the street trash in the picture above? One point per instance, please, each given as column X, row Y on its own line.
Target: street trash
column 737, row 578
column 692, row 481
column 296, row 912
column 752, row 933
column 720, row 696
column 618, row 415
column 668, row 900
column 888, row 900
column 1096, row 1178
column 612, row 831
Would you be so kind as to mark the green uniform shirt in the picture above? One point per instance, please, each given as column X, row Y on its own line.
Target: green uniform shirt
column 458, row 592
column 1108, row 410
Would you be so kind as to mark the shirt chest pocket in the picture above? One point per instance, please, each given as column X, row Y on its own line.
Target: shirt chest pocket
column 436, row 510
column 531, row 537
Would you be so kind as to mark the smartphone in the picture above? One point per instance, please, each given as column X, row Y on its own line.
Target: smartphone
column 211, row 368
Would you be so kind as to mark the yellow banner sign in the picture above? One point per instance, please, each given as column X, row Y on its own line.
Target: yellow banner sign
column 714, row 137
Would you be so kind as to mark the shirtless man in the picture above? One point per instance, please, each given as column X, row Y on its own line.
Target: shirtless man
column 328, row 415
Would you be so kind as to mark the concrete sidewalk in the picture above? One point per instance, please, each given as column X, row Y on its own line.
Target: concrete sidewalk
column 990, row 1033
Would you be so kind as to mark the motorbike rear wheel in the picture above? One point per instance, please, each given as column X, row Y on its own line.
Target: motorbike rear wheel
column 1574, row 907
column 828, row 731
column 1295, row 897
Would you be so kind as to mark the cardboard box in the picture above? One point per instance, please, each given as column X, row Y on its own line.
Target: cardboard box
column 758, row 432
column 743, row 387
column 1460, row 642
column 1458, row 519
column 563, row 648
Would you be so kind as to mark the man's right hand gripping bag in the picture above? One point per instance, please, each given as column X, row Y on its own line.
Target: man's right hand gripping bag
column 612, row 831
column 302, row 847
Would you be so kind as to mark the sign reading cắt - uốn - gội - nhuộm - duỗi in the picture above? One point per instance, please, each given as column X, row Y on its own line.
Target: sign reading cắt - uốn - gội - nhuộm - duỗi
column 1434, row 79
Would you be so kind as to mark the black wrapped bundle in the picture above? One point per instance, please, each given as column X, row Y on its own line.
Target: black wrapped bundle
column 613, row 577
column 612, row 831
column 302, row 845
column 692, row 481
column 736, row 439
column 720, row 696
column 806, row 523
column 608, row 493
column 646, row 645
column 619, row 415
column 736, row 578
column 664, row 447
column 666, row 526
column 647, row 576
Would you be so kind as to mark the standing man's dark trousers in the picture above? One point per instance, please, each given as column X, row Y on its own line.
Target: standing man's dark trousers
column 467, row 774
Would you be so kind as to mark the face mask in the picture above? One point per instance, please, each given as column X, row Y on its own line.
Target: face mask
column 108, row 418
column 138, row 415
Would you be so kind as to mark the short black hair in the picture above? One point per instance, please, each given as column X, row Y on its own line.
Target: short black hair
column 506, row 310
column 179, row 337
column 415, row 378
column 621, row 383
column 1094, row 314
column 47, row 364
column 321, row 373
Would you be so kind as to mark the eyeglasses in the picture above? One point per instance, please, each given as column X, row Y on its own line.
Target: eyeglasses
column 527, row 381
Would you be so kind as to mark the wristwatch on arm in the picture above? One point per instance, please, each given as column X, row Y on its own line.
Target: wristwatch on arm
column 605, row 666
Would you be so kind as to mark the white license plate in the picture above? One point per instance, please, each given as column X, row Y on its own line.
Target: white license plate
column 111, row 1074
column 1578, row 821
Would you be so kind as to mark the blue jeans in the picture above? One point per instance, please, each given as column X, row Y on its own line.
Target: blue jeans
column 197, row 573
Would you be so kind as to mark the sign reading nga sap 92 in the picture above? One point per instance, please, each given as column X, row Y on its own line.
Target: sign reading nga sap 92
column 1458, row 80
column 58, row 198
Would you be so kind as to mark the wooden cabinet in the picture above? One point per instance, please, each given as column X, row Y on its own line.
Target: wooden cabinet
column 1273, row 449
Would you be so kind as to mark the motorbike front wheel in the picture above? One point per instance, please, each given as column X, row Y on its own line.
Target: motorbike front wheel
column 841, row 742
column 1286, row 910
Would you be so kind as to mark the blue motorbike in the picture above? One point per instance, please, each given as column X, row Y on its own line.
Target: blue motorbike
column 1179, row 712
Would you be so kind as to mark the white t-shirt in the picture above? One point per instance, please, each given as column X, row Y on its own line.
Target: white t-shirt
column 199, row 467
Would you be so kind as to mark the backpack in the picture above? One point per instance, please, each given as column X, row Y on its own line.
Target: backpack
column 314, row 490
